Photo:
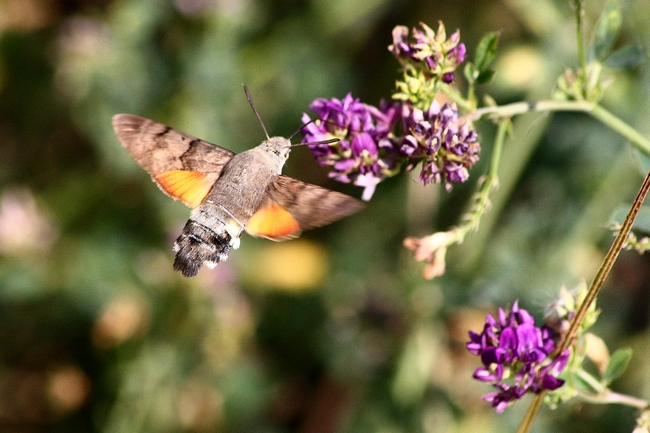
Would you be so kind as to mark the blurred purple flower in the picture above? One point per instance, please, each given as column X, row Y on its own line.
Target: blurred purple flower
column 431, row 51
column 516, row 357
column 367, row 150
column 447, row 146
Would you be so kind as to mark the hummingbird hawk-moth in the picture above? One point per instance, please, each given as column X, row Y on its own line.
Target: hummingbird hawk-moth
column 229, row 192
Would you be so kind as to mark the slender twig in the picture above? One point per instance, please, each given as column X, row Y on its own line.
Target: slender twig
column 498, row 148
column 510, row 110
column 618, row 125
column 490, row 180
column 608, row 263
column 605, row 395
column 598, row 112
column 611, row 397
column 580, row 40
column 594, row 289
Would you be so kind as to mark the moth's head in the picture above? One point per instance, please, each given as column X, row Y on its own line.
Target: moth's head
column 277, row 146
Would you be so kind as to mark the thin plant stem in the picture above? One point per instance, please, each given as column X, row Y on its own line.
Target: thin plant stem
column 580, row 39
column 608, row 263
column 504, row 125
column 482, row 199
column 616, row 398
column 592, row 293
column 596, row 111
column 605, row 395
column 618, row 125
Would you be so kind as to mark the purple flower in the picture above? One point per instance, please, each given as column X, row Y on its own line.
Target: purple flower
column 429, row 51
column 447, row 146
column 516, row 357
column 370, row 149
column 366, row 152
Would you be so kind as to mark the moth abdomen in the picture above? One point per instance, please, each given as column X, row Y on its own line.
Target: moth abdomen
column 199, row 245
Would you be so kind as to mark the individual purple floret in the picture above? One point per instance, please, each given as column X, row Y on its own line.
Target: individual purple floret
column 516, row 357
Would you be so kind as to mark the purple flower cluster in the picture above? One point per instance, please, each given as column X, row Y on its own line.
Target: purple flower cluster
column 363, row 154
column 375, row 143
column 516, row 357
column 432, row 51
column 370, row 149
column 446, row 146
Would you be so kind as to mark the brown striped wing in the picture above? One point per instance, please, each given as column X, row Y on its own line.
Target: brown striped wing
column 183, row 166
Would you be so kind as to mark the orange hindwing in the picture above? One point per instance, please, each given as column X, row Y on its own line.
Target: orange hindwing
column 190, row 187
column 274, row 222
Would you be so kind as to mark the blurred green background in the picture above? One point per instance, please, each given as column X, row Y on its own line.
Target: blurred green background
column 336, row 331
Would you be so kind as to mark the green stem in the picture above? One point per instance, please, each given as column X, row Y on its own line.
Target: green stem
column 596, row 111
column 622, row 128
column 610, row 397
column 592, row 381
column 500, row 139
column 604, row 395
column 482, row 198
column 471, row 93
column 579, row 39
column 465, row 104
column 510, row 110
column 628, row 400
column 531, row 413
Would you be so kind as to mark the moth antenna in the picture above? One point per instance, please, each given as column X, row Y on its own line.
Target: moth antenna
column 250, row 101
column 301, row 128
column 331, row 140
column 311, row 121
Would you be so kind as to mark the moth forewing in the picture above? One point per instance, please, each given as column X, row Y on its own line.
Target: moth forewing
column 158, row 147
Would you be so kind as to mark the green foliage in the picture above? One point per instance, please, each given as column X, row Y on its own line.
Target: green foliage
column 607, row 31
column 626, row 57
column 618, row 363
column 486, row 51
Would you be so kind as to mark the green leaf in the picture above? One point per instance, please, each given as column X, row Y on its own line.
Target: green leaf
column 470, row 72
column 606, row 32
column 486, row 51
column 626, row 57
column 582, row 384
column 618, row 363
column 485, row 76
column 642, row 221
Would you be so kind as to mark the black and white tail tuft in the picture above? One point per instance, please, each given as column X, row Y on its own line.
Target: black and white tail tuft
column 199, row 245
